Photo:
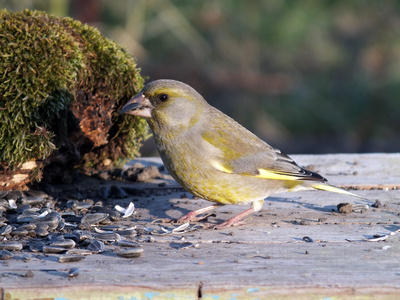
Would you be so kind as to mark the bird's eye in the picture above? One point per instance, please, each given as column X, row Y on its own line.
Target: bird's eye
column 163, row 97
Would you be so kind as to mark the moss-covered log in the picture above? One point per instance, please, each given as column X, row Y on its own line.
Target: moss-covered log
column 62, row 85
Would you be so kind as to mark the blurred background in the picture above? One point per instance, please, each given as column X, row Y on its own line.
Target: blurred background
column 307, row 76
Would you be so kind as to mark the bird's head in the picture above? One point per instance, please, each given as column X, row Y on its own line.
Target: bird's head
column 167, row 103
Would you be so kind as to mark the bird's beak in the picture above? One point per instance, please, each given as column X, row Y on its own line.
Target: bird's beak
column 138, row 106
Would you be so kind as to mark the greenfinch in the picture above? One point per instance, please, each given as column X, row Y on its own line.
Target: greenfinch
column 212, row 156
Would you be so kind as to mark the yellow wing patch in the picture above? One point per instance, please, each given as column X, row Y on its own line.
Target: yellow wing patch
column 268, row 174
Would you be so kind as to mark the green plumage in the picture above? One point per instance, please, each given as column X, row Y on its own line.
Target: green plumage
column 211, row 155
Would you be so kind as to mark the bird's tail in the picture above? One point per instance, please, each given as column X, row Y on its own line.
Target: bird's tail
column 334, row 189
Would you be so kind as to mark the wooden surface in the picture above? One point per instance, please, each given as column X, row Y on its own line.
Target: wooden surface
column 267, row 258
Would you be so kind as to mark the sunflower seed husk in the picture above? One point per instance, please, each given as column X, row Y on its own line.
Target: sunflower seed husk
column 43, row 214
column 12, row 204
column 131, row 253
column 70, row 258
column 307, row 239
column 181, row 228
column 96, row 246
column 11, row 246
column 129, row 210
column 73, row 272
column 5, row 254
column 378, row 238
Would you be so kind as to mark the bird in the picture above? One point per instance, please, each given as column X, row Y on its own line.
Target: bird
column 212, row 156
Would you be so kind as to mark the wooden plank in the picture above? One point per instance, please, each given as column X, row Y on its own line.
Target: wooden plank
column 264, row 259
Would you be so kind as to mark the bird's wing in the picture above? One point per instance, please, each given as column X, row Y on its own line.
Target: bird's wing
column 241, row 152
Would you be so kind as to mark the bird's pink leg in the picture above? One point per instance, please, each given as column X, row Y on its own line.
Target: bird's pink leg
column 234, row 221
column 192, row 216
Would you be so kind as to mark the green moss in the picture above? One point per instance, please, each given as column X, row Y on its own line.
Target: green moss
column 55, row 71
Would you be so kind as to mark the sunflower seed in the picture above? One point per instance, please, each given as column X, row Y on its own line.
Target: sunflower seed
column 26, row 218
column 19, row 232
column 5, row 254
column 36, row 246
column 110, row 227
column 72, row 204
column 124, row 243
column 81, row 205
column 93, row 218
column 69, row 258
column 117, row 192
column 51, row 249
column 29, row 226
column 14, row 195
column 5, row 230
column 127, row 232
column 76, row 251
column 104, row 192
column 42, row 230
column 52, row 220
column 360, row 208
column 67, row 244
column 131, row 253
column 11, row 246
column 96, row 246
column 109, row 237
column 37, row 193
column 114, row 216
column 32, row 200
column 82, row 234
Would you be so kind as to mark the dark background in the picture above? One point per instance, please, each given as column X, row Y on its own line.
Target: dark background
column 307, row 76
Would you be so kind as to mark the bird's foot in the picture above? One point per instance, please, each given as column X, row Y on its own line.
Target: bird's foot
column 192, row 217
column 226, row 224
